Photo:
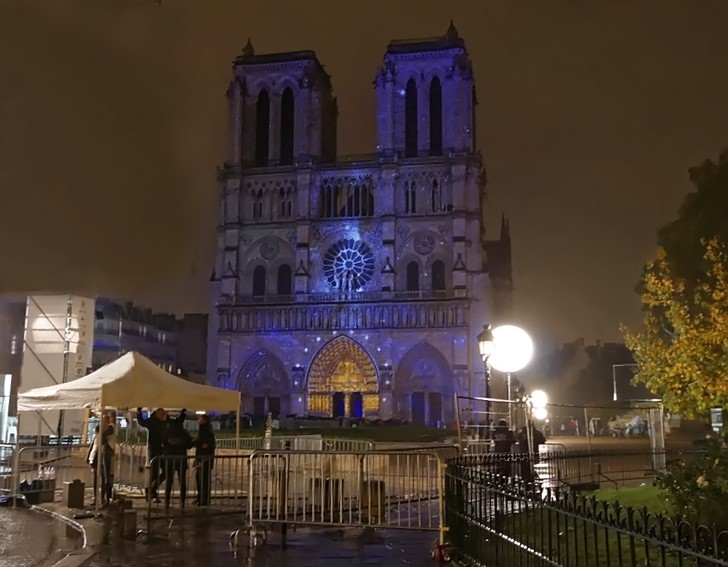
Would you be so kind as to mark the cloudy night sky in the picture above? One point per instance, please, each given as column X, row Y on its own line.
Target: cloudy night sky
column 113, row 120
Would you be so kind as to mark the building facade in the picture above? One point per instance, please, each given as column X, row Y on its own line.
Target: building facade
column 354, row 286
column 121, row 327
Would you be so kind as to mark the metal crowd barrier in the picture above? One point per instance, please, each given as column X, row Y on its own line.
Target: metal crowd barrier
column 297, row 442
column 328, row 488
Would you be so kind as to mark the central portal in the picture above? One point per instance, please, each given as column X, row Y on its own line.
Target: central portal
column 342, row 382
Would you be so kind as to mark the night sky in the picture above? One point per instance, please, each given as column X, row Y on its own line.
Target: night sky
column 113, row 120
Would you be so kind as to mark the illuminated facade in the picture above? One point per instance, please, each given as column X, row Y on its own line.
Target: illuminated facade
column 354, row 286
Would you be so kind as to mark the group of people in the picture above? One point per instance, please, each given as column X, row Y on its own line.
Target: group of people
column 504, row 440
column 167, row 445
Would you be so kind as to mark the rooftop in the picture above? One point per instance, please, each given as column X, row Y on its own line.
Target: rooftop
column 450, row 40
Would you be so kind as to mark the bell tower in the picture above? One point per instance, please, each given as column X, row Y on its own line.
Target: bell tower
column 281, row 110
column 426, row 98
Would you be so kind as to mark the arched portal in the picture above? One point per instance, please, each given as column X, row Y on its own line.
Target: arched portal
column 264, row 384
column 424, row 387
column 342, row 381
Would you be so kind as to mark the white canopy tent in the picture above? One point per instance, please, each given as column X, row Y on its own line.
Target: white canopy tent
column 130, row 381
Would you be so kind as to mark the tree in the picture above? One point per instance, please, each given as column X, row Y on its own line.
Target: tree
column 682, row 350
column 702, row 216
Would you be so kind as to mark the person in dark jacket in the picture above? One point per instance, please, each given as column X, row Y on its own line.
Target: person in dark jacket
column 175, row 444
column 204, row 460
column 503, row 440
column 537, row 439
column 155, row 424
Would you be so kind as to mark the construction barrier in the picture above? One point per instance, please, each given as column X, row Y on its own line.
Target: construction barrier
column 373, row 489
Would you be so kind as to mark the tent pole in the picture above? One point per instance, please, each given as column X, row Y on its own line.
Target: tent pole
column 16, row 462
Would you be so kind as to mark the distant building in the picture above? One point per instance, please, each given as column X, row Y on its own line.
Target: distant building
column 192, row 346
column 357, row 285
column 122, row 327
column 12, row 329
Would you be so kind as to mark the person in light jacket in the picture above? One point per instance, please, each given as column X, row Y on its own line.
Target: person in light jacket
column 109, row 457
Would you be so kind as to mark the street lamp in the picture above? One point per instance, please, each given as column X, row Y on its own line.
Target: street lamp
column 512, row 351
column 486, row 345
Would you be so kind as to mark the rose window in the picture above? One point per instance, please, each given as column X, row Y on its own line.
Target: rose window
column 349, row 265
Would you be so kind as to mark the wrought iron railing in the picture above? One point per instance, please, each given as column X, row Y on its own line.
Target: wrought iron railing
column 495, row 517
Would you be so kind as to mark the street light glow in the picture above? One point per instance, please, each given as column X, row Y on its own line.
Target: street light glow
column 539, row 399
column 540, row 413
column 512, row 348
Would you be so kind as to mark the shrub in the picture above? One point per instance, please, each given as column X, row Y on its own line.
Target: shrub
column 697, row 487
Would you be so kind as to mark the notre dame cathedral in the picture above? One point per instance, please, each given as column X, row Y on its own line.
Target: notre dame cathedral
column 355, row 285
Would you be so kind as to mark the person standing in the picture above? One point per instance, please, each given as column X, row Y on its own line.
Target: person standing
column 204, row 460
column 155, row 424
column 175, row 443
column 94, row 462
column 503, row 440
column 108, row 458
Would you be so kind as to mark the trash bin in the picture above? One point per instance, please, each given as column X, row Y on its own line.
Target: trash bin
column 73, row 493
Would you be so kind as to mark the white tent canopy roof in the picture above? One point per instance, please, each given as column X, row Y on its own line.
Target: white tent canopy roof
column 130, row 381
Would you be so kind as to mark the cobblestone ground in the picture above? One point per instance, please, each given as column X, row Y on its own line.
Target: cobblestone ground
column 198, row 541
column 29, row 539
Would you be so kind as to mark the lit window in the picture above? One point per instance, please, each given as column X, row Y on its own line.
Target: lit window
column 14, row 345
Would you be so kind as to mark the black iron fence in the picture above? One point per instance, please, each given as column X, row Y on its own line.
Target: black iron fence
column 497, row 518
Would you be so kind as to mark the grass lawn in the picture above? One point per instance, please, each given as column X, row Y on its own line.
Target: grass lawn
column 393, row 433
column 568, row 539
column 639, row 497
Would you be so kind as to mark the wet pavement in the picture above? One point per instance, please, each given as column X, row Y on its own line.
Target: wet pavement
column 201, row 541
column 30, row 539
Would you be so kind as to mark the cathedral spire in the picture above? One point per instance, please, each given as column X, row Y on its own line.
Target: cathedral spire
column 248, row 50
column 452, row 32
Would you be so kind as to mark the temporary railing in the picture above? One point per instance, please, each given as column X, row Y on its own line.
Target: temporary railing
column 500, row 520
column 297, row 442
column 373, row 489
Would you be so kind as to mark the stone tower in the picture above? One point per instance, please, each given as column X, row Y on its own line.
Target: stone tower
column 354, row 286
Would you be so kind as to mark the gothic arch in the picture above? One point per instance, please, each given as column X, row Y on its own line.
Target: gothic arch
column 341, row 370
column 277, row 252
column 264, row 384
column 424, row 386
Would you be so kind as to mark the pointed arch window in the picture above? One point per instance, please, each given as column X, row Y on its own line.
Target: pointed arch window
column 258, row 205
column 438, row 275
column 410, row 119
column 259, row 281
column 410, row 197
column 435, row 117
column 436, row 197
column 262, row 124
column 284, row 286
column 287, row 126
column 413, row 276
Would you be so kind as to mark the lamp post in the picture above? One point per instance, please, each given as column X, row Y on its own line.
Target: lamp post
column 512, row 351
column 485, row 346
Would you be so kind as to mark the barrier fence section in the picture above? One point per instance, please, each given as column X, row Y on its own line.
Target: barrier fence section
column 297, row 442
column 501, row 520
column 179, row 485
column 386, row 490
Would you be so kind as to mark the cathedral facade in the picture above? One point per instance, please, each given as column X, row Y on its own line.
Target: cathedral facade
column 354, row 286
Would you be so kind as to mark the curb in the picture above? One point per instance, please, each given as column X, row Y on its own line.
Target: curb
column 78, row 557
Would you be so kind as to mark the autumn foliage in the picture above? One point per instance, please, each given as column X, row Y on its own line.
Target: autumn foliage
column 682, row 349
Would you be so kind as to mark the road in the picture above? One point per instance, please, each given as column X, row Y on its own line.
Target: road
column 30, row 539
column 200, row 541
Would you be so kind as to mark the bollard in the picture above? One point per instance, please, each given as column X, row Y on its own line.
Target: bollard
column 129, row 524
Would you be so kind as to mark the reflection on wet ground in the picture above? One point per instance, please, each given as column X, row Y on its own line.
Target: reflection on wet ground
column 29, row 539
column 200, row 541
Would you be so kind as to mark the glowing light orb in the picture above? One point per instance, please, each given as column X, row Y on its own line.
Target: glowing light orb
column 539, row 399
column 540, row 413
column 512, row 349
